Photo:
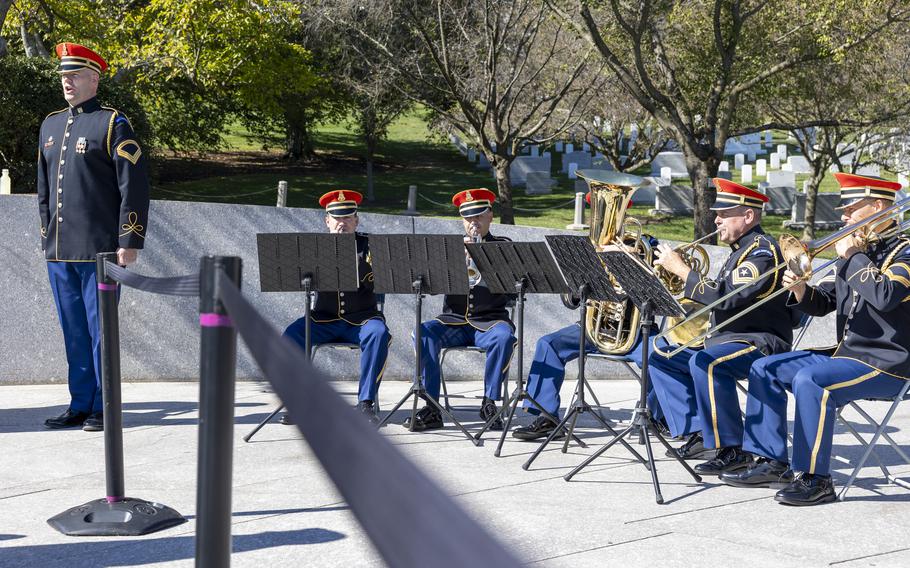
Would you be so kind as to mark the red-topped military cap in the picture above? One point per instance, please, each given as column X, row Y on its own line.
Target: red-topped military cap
column 854, row 188
column 471, row 202
column 731, row 194
column 341, row 202
column 74, row 57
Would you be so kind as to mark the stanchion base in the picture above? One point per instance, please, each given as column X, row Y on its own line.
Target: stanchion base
column 129, row 517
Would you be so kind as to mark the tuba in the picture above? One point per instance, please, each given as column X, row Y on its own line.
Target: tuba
column 613, row 326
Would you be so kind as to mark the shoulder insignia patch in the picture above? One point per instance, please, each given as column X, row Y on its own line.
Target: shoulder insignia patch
column 129, row 150
column 745, row 273
column 761, row 252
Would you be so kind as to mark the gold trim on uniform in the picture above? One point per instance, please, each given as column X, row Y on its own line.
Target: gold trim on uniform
column 745, row 273
column 122, row 151
column 133, row 226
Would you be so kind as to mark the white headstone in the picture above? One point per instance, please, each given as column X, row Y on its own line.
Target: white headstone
column 786, row 167
column 799, row 164
column 472, row 155
column 666, row 173
column 6, row 183
column 746, row 174
column 724, row 166
column 902, row 179
column 534, row 150
column 738, row 161
column 761, row 168
column 775, row 161
column 873, row 170
column 768, row 142
column 782, row 151
column 570, row 147
column 573, row 167
column 781, row 179
column 586, row 147
column 559, row 146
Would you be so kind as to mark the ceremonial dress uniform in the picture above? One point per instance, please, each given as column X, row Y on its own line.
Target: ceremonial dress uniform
column 480, row 319
column 350, row 317
column 696, row 387
column 869, row 291
column 93, row 196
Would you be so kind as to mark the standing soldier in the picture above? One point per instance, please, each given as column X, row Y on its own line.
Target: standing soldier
column 89, row 160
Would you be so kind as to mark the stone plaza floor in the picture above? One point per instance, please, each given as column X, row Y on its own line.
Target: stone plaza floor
column 287, row 513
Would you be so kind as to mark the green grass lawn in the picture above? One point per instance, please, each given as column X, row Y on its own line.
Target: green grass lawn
column 410, row 156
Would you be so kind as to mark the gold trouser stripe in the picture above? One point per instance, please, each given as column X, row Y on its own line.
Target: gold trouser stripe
column 824, row 409
column 718, row 361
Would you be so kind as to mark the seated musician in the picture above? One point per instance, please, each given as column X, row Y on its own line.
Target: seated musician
column 697, row 387
column 349, row 317
column 548, row 371
column 479, row 319
column 869, row 290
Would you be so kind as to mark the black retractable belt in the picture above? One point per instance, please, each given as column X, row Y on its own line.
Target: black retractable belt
column 408, row 518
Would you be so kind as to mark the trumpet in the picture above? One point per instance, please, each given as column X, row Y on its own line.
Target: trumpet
column 474, row 275
column 798, row 258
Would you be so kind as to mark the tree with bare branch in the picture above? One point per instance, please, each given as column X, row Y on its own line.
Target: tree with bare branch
column 502, row 73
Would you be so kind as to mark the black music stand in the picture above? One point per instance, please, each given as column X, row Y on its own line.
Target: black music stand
column 652, row 298
column 420, row 264
column 517, row 268
column 583, row 271
column 306, row 262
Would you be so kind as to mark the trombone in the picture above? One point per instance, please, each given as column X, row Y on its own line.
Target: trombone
column 798, row 258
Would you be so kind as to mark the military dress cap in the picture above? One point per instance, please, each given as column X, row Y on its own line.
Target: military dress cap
column 471, row 202
column 74, row 57
column 341, row 202
column 731, row 194
column 855, row 188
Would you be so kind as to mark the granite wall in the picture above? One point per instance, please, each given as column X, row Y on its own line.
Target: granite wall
column 160, row 334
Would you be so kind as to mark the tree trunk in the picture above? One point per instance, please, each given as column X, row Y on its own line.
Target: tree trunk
column 811, row 193
column 294, row 143
column 371, row 195
column 27, row 39
column 701, row 172
column 504, row 187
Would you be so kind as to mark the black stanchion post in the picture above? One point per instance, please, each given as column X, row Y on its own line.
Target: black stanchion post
column 116, row 514
column 218, row 362
column 108, row 297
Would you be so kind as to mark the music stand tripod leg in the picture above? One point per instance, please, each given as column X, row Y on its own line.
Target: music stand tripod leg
column 307, row 285
column 265, row 421
column 417, row 390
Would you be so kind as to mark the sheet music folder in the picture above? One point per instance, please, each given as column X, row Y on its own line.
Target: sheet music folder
column 286, row 259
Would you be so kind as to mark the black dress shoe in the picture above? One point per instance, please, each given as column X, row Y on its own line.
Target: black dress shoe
column 807, row 489
column 427, row 418
column 731, row 459
column 487, row 411
column 286, row 419
column 366, row 408
column 69, row 419
column 764, row 472
column 94, row 423
column 693, row 449
column 540, row 428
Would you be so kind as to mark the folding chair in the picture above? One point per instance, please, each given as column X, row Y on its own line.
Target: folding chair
column 470, row 349
column 879, row 432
